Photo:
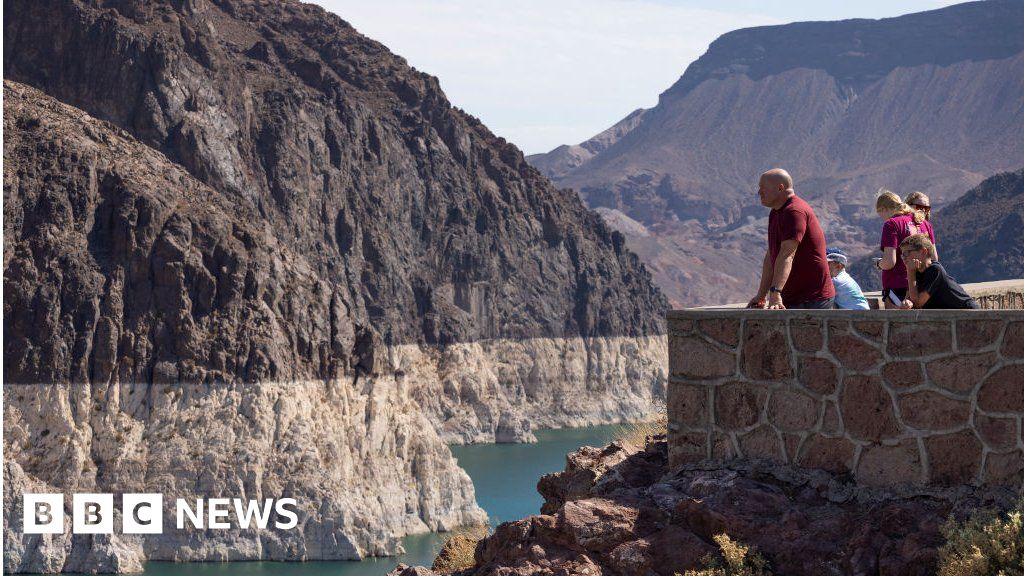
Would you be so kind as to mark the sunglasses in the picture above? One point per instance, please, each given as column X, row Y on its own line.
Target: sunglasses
column 925, row 208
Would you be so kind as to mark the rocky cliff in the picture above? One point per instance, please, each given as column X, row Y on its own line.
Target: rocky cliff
column 981, row 231
column 927, row 101
column 115, row 254
column 250, row 251
column 619, row 511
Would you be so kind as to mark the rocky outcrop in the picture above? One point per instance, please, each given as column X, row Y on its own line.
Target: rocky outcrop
column 918, row 102
column 613, row 511
column 431, row 229
column 249, row 251
column 117, row 259
column 980, row 231
column 48, row 553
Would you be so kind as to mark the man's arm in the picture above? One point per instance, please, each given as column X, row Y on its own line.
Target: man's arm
column 766, row 279
column 783, row 266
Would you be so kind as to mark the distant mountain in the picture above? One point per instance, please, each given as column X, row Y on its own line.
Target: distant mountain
column 566, row 158
column 982, row 233
column 932, row 101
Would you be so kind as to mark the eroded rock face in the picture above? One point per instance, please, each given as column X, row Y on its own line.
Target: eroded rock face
column 613, row 512
column 286, row 266
column 48, row 553
column 109, row 248
column 430, row 228
column 980, row 220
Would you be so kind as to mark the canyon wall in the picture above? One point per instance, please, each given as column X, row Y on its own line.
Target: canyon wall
column 251, row 253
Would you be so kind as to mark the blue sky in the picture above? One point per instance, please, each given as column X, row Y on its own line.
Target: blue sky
column 541, row 73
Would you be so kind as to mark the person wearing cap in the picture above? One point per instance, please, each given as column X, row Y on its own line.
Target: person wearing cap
column 848, row 293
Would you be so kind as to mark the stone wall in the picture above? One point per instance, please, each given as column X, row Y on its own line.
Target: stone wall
column 923, row 397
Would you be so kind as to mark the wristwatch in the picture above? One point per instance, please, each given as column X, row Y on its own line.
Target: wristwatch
column 774, row 289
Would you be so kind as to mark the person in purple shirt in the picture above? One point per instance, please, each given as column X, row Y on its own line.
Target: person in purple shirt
column 901, row 222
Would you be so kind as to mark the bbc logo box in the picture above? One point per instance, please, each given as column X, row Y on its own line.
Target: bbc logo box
column 92, row 514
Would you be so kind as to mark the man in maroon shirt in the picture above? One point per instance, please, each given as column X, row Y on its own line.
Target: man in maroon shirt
column 794, row 273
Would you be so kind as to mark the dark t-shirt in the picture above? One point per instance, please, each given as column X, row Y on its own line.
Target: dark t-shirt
column 943, row 291
column 809, row 279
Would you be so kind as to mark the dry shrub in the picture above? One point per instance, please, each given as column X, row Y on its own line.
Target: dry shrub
column 988, row 544
column 637, row 434
column 737, row 560
column 457, row 552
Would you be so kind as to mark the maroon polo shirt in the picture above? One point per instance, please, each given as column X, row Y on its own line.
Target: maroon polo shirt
column 809, row 279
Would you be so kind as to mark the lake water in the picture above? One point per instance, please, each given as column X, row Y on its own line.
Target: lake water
column 505, row 476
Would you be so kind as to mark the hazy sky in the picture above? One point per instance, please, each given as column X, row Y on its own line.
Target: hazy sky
column 541, row 73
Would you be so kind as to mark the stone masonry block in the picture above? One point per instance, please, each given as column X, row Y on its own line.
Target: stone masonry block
column 903, row 374
column 832, row 454
column 1003, row 391
column 974, row 334
column 818, row 374
column 695, row 358
column 687, row 447
column 853, row 353
column 738, row 405
column 867, row 409
column 915, row 339
column 997, row 433
column 807, row 334
column 871, row 329
column 766, row 354
column 722, row 330
column 890, row 465
column 688, row 405
column 1005, row 469
column 927, row 410
column 954, row 458
column 792, row 411
column 1013, row 340
column 831, row 422
column 763, row 442
column 961, row 373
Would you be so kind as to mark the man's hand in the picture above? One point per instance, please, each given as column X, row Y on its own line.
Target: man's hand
column 775, row 301
column 756, row 302
column 907, row 304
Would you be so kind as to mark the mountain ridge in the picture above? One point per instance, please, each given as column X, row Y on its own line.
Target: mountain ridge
column 687, row 172
column 980, row 231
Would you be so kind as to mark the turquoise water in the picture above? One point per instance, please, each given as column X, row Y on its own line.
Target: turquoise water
column 505, row 476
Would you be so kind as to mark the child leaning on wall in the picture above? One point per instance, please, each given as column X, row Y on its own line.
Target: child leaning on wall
column 928, row 283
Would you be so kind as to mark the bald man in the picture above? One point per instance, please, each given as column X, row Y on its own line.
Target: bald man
column 794, row 273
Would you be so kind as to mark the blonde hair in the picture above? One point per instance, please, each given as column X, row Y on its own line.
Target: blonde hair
column 916, row 197
column 890, row 201
column 918, row 242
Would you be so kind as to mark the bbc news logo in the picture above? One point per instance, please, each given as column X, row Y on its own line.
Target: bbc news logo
column 143, row 513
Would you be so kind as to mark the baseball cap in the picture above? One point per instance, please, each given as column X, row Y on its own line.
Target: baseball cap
column 836, row 255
